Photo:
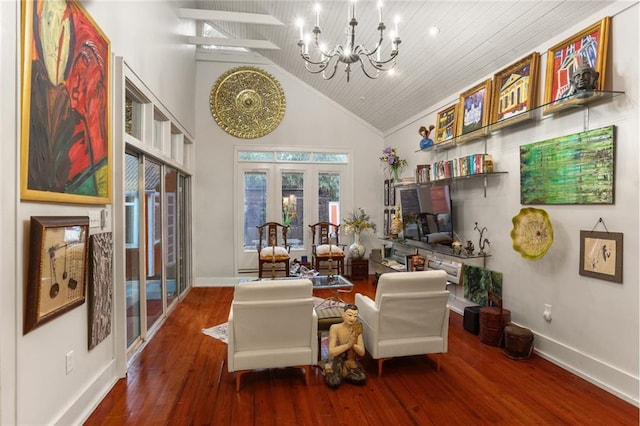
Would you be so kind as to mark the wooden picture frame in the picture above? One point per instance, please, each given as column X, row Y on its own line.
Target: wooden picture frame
column 474, row 112
column 515, row 92
column 446, row 122
column 590, row 44
column 58, row 251
column 66, row 107
column 601, row 255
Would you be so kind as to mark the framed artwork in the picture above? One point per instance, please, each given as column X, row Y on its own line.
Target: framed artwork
column 478, row 282
column 473, row 118
column 387, row 185
column 66, row 139
column 601, row 255
column 515, row 90
column 590, row 46
column 446, row 125
column 58, row 251
column 100, row 285
column 573, row 169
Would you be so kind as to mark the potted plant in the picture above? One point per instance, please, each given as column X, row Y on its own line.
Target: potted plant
column 356, row 223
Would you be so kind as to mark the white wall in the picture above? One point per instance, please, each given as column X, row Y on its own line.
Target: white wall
column 310, row 121
column 594, row 331
column 34, row 388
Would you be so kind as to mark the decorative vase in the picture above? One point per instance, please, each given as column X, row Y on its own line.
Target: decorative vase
column 356, row 249
column 395, row 174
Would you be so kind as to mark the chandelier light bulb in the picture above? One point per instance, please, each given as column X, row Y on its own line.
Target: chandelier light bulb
column 300, row 24
column 317, row 9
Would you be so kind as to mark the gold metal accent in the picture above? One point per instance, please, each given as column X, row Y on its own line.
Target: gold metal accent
column 247, row 102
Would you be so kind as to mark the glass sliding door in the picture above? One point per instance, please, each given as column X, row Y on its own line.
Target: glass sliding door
column 184, row 233
column 133, row 247
column 171, row 233
column 154, row 289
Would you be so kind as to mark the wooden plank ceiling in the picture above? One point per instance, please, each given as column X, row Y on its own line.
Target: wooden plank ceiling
column 476, row 39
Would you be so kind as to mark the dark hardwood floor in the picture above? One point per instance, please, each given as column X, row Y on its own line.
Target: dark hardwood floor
column 180, row 378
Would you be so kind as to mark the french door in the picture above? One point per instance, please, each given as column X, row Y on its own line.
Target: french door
column 297, row 194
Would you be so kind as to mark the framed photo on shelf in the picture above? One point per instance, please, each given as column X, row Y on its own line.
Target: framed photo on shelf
column 601, row 255
column 386, row 192
column 392, row 192
column 66, row 129
column 473, row 117
column 58, row 251
column 446, row 125
column 590, row 45
column 515, row 90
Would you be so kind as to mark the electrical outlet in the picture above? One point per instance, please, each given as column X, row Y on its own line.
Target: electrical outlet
column 69, row 359
column 547, row 312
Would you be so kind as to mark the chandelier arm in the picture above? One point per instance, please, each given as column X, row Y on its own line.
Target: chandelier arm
column 335, row 68
column 307, row 59
column 381, row 64
column 364, row 70
column 314, row 71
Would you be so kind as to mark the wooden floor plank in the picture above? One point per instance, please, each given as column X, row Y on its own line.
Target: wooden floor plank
column 181, row 378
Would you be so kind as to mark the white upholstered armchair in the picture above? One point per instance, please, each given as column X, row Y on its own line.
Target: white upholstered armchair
column 272, row 324
column 409, row 316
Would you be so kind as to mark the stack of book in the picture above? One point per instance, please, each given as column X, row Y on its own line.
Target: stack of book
column 464, row 166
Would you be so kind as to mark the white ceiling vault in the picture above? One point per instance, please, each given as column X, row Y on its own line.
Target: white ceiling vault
column 476, row 39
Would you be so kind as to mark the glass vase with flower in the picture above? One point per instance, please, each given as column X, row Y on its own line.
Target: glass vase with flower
column 393, row 162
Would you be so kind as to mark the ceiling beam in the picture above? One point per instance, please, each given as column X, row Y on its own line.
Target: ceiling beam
column 227, row 42
column 218, row 15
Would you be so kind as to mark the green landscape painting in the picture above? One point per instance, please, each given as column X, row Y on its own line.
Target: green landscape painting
column 478, row 281
column 573, row 169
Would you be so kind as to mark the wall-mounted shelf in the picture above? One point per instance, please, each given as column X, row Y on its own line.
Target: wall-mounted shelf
column 436, row 248
column 582, row 99
column 484, row 176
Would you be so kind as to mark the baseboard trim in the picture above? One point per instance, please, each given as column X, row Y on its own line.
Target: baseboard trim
column 89, row 399
column 605, row 376
column 610, row 378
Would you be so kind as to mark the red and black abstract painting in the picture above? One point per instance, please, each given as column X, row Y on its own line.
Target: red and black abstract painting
column 65, row 131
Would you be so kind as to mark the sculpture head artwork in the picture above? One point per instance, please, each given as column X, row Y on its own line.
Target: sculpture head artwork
column 585, row 77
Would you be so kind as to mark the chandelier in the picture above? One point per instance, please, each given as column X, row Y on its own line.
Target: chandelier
column 326, row 61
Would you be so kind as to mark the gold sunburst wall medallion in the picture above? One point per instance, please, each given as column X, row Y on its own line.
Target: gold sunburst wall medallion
column 247, row 102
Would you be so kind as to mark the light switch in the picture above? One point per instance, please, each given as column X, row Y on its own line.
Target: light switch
column 94, row 219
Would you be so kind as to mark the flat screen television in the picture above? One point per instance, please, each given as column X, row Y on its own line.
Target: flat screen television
column 432, row 209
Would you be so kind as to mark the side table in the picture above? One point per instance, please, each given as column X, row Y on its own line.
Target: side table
column 359, row 269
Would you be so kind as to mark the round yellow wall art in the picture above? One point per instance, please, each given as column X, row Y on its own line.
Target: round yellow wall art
column 247, row 102
column 532, row 233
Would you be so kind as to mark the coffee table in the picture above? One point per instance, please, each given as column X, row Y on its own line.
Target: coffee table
column 322, row 282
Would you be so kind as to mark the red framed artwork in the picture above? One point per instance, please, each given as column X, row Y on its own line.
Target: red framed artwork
column 590, row 46
column 65, row 153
